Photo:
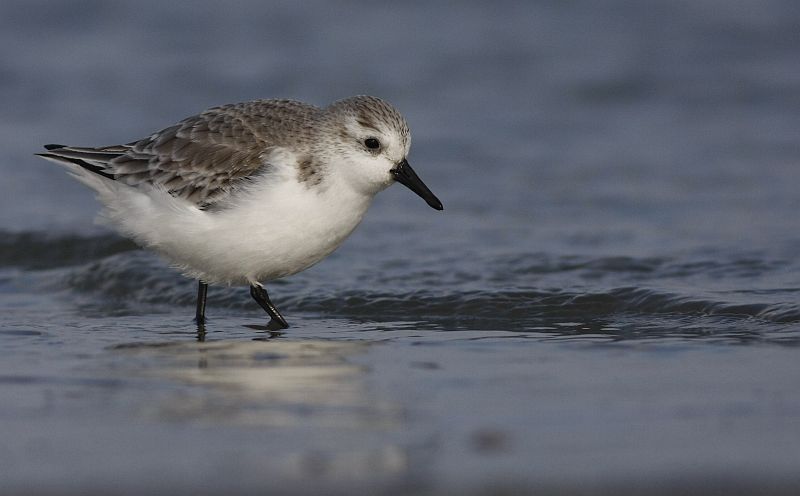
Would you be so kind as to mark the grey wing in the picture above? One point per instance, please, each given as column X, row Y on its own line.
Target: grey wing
column 201, row 159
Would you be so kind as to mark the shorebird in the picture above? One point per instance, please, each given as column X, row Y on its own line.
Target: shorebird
column 246, row 193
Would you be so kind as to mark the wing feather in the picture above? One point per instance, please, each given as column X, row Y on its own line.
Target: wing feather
column 203, row 158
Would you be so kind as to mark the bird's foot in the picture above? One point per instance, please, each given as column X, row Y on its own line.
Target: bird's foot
column 277, row 325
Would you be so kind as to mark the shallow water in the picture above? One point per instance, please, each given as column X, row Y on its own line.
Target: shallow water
column 609, row 304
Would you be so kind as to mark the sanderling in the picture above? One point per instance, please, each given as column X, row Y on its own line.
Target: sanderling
column 250, row 192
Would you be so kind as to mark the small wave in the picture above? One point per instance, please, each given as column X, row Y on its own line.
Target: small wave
column 121, row 277
column 542, row 263
column 138, row 278
column 633, row 268
column 39, row 250
column 527, row 304
column 142, row 278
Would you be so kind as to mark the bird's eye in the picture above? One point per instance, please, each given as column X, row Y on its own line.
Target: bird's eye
column 372, row 143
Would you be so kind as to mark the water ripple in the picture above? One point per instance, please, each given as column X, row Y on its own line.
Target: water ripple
column 39, row 250
column 516, row 292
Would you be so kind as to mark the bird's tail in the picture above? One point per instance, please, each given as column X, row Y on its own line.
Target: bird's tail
column 95, row 160
column 145, row 212
column 87, row 165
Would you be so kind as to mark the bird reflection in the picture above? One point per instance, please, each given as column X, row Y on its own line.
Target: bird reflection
column 267, row 333
column 266, row 380
column 296, row 387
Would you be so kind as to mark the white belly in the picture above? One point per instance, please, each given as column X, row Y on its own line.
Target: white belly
column 272, row 234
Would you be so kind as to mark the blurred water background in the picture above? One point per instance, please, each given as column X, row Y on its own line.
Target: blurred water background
column 609, row 304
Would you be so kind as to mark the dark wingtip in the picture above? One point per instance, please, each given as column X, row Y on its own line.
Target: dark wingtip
column 97, row 169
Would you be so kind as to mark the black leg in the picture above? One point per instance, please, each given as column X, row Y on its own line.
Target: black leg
column 262, row 298
column 200, row 314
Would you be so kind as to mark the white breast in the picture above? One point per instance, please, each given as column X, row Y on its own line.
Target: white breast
column 277, row 229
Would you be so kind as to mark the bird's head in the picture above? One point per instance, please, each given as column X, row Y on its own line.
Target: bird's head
column 372, row 140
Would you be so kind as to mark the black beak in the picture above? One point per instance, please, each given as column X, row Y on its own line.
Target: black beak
column 405, row 175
